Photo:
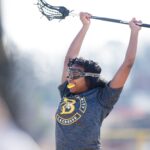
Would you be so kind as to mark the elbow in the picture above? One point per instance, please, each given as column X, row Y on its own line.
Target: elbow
column 129, row 63
column 67, row 60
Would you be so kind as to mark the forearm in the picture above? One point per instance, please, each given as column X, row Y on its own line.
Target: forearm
column 76, row 44
column 122, row 74
column 74, row 49
column 132, row 48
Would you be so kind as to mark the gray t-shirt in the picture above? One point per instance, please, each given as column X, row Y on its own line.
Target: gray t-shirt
column 79, row 117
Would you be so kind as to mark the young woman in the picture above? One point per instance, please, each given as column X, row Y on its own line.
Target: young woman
column 86, row 100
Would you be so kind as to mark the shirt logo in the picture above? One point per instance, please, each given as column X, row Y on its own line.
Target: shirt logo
column 68, row 106
column 71, row 110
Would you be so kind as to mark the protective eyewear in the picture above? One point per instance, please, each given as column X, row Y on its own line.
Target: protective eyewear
column 74, row 73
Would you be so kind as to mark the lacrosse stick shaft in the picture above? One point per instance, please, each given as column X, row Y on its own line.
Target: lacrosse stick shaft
column 60, row 12
column 113, row 20
column 117, row 21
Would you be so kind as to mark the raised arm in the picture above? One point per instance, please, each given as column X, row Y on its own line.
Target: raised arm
column 122, row 74
column 76, row 44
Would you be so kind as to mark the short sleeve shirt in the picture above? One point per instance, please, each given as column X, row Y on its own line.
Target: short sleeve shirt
column 80, row 116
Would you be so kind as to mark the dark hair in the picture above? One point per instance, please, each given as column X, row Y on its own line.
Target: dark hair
column 89, row 66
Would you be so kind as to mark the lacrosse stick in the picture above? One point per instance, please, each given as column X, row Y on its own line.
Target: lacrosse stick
column 60, row 12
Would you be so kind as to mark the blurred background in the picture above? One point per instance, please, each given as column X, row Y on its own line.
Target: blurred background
column 32, row 51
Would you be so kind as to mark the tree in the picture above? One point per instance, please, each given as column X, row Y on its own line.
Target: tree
column 3, row 58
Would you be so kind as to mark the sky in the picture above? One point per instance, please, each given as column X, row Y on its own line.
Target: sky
column 26, row 26
column 47, row 41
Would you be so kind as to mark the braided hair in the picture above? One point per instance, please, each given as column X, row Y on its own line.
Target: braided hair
column 89, row 66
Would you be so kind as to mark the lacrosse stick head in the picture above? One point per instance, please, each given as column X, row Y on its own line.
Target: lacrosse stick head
column 52, row 12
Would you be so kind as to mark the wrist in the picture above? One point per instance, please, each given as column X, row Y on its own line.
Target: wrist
column 86, row 26
column 135, row 32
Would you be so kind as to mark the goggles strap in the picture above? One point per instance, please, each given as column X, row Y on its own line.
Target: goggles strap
column 89, row 74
